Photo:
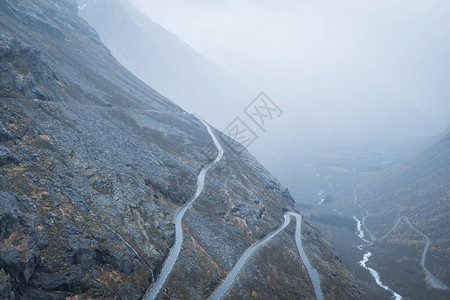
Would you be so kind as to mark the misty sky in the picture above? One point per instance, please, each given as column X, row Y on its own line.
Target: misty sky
column 380, row 64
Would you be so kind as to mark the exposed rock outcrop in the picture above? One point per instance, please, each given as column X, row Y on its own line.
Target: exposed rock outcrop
column 94, row 165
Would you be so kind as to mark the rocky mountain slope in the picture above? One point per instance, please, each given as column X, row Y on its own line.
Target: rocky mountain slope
column 163, row 61
column 94, row 165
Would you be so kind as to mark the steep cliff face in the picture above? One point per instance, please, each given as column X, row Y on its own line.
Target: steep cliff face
column 95, row 164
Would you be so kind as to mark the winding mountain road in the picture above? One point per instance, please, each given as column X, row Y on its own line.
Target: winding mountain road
column 223, row 289
column 173, row 256
column 431, row 279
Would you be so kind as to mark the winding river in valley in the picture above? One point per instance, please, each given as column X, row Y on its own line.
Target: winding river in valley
column 366, row 256
column 431, row 279
column 173, row 256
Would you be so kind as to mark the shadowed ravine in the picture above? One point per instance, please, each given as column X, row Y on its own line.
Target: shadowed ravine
column 134, row 251
column 173, row 256
column 223, row 289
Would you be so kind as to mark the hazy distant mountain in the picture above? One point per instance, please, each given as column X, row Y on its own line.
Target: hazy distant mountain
column 420, row 190
column 94, row 165
column 163, row 61
column 401, row 206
